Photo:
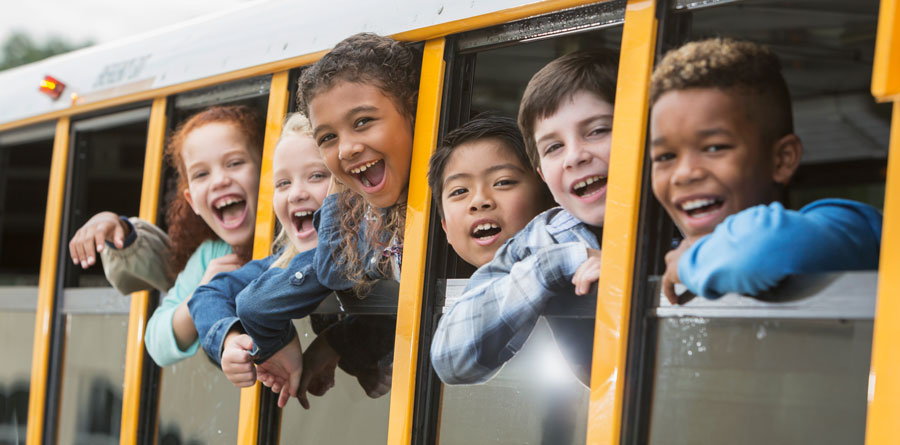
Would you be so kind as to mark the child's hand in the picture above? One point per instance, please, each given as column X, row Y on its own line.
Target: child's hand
column 236, row 362
column 319, row 363
column 227, row 263
column 376, row 381
column 670, row 278
column 91, row 238
column 281, row 372
column 587, row 273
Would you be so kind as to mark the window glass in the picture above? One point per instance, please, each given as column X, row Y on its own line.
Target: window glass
column 16, row 342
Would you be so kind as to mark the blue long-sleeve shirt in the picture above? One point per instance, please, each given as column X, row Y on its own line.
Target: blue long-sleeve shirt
column 753, row 250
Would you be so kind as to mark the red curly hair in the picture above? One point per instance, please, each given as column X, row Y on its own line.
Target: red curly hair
column 186, row 229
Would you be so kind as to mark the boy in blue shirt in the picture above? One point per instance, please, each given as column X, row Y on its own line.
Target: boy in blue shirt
column 566, row 118
column 722, row 149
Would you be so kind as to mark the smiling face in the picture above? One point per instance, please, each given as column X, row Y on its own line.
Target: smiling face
column 486, row 202
column 223, row 181
column 709, row 160
column 573, row 144
column 365, row 140
column 301, row 183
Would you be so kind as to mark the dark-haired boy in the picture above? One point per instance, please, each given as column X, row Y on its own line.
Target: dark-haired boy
column 722, row 149
column 566, row 118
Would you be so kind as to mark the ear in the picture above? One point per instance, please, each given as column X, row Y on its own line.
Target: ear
column 444, row 226
column 541, row 174
column 187, row 197
column 786, row 154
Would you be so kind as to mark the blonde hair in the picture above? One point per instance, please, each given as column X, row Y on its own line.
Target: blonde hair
column 298, row 125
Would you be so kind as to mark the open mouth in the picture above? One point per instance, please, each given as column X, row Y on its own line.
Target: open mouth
column 303, row 223
column 231, row 211
column 589, row 186
column 701, row 207
column 486, row 233
column 370, row 174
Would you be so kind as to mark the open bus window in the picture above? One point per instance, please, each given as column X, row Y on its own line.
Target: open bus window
column 718, row 370
column 197, row 404
column 541, row 394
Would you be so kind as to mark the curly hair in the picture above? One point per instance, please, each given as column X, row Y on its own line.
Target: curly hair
column 186, row 229
column 593, row 71
column 392, row 67
column 748, row 69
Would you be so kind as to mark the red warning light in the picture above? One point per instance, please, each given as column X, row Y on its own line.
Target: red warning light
column 52, row 87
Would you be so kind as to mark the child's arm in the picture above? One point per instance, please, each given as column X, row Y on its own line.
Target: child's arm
column 269, row 303
column 213, row 309
column 327, row 223
column 162, row 345
column 752, row 251
column 499, row 308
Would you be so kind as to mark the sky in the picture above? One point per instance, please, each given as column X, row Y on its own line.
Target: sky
column 101, row 20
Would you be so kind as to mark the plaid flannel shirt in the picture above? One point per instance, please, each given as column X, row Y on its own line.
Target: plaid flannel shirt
column 505, row 297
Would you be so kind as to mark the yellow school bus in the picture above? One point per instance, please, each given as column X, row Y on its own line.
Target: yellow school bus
column 816, row 362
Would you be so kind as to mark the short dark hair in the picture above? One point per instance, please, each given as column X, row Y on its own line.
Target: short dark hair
column 483, row 126
column 737, row 66
column 593, row 71
column 390, row 65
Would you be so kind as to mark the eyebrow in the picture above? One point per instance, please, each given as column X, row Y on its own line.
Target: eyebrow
column 705, row 133
column 351, row 112
column 491, row 169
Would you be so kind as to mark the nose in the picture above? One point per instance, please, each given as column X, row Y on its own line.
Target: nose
column 576, row 154
column 221, row 178
column 348, row 149
column 688, row 170
column 298, row 192
column 482, row 199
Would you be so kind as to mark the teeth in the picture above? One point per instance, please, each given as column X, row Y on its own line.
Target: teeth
column 486, row 226
column 359, row 170
column 587, row 182
column 697, row 203
column 303, row 213
column 227, row 202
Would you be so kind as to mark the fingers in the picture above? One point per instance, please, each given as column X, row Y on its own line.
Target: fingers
column 118, row 237
column 669, row 289
column 283, row 397
column 586, row 275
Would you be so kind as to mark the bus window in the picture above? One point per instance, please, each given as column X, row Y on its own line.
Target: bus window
column 24, row 177
column 197, row 404
column 105, row 173
column 537, row 396
column 770, row 374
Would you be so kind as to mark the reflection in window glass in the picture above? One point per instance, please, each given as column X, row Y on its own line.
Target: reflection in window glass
column 24, row 178
column 756, row 381
column 197, row 404
column 344, row 415
column 93, row 373
column 534, row 399
column 16, row 341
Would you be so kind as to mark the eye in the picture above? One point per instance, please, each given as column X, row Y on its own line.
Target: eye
column 663, row 157
column 362, row 121
column 282, row 183
column 457, row 192
column 506, row 182
column 326, row 138
column 716, row 148
column 198, row 174
column 235, row 163
column 552, row 147
column 319, row 176
column 599, row 131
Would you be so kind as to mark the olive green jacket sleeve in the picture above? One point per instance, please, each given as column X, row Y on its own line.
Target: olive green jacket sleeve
column 142, row 264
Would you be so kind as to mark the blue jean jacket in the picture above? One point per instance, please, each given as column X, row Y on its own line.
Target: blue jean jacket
column 249, row 296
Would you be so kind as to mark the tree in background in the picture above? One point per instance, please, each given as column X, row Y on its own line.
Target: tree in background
column 20, row 49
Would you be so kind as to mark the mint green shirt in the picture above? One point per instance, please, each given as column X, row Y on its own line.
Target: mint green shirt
column 159, row 338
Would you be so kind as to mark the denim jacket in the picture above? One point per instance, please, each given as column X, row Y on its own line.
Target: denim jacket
column 266, row 309
column 251, row 293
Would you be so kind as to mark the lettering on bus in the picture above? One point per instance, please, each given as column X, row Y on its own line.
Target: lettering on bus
column 120, row 71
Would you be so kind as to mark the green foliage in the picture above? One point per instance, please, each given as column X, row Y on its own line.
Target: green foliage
column 19, row 48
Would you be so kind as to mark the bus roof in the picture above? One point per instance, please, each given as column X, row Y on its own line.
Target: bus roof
column 245, row 37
